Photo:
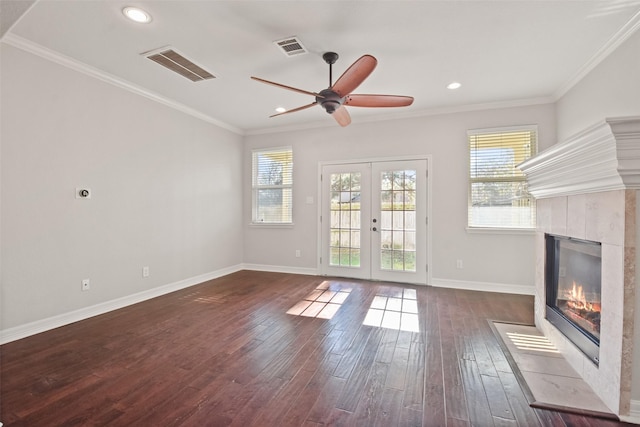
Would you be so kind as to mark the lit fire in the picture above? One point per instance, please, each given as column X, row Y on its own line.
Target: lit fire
column 577, row 300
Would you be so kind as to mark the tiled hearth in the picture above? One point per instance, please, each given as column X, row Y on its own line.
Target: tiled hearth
column 588, row 188
column 551, row 381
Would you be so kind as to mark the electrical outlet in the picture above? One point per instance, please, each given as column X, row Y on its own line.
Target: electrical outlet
column 298, row 254
column 145, row 271
column 459, row 264
column 86, row 285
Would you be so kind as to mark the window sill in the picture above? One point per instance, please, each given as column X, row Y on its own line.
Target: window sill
column 270, row 225
column 491, row 230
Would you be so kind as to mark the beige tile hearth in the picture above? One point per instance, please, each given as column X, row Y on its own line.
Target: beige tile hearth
column 549, row 377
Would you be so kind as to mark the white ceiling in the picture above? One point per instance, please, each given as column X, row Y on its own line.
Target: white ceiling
column 507, row 52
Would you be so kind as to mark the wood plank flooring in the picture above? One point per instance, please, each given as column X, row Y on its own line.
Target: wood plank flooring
column 227, row 353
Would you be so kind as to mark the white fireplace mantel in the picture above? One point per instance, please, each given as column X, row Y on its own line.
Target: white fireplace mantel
column 603, row 157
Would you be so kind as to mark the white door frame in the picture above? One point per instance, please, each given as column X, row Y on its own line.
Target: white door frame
column 319, row 238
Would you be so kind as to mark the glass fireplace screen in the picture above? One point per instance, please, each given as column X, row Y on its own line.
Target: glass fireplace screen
column 574, row 288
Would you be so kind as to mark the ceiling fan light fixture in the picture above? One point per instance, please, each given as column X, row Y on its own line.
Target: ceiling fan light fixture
column 137, row 15
column 280, row 109
column 334, row 99
column 454, row 85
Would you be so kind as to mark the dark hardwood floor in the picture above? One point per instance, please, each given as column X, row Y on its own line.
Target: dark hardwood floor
column 227, row 353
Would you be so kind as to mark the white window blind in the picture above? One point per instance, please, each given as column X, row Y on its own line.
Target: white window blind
column 272, row 186
column 498, row 193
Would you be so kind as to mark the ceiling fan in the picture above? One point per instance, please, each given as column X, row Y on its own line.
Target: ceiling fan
column 336, row 96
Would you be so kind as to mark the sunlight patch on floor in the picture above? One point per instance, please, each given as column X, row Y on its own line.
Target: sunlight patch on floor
column 399, row 312
column 532, row 342
column 323, row 302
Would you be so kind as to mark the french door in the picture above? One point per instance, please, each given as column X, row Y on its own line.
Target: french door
column 374, row 220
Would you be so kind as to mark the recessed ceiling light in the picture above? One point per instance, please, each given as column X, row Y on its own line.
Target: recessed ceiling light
column 137, row 15
column 280, row 110
column 453, row 85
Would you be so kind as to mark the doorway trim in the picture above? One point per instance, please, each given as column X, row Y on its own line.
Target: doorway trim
column 324, row 163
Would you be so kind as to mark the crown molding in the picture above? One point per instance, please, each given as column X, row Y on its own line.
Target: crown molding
column 53, row 56
column 514, row 103
column 13, row 12
column 612, row 44
column 603, row 157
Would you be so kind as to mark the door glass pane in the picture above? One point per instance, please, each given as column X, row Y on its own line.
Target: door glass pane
column 410, row 261
column 398, row 220
column 335, row 238
column 409, row 240
column 355, row 238
column 355, row 220
column 334, row 255
column 398, row 200
column 385, row 220
column 386, row 180
column 345, row 238
column 345, row 220
column 410, row 220
column 335, row 220
column 385, row 260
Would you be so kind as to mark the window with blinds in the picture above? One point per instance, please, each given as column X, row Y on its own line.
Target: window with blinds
column 272, row 186
column 498, row 194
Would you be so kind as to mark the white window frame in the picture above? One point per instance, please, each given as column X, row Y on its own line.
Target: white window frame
column 256, row 186
column 478, row 226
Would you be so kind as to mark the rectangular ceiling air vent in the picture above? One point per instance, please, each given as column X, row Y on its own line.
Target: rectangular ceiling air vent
column 291, row 46
column 169, row 58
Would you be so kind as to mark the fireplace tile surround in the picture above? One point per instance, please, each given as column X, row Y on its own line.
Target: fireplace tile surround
column 612, row 378
column 587, row 188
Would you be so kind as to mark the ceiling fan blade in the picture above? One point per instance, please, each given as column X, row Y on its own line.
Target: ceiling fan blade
column 306, row 92
column 378, row 101
column 304, row 107
column 355, row 74
column 342, row 116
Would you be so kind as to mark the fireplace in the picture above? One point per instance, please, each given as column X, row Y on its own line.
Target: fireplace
column 588, row 188
column 573, row 291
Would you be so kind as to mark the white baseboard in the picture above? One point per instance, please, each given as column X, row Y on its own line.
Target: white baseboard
column 634, row 413
column 441, row 283
column 484, row 286
column 26, row 330
column 32, row 328
column 281, row 269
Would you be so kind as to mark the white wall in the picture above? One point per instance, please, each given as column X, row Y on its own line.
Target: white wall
column 487, row 258
column 611, row 89
column 165, row 192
